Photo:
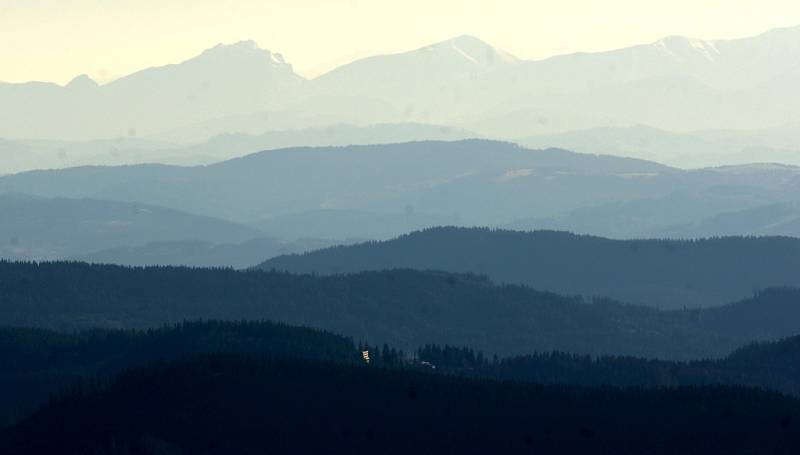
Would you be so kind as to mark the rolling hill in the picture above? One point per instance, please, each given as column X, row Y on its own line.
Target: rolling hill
column 461, row 182
column 773, row 219
column 715, row 212
column 38, row 228
column 37, row 364
column 767, row 365
column 458, row 177
column 662, row 273
column 403, row 307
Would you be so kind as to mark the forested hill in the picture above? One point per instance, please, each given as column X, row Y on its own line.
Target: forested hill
column 35, row 363
column 405, row 308
column 660, row 273
column 222, row 404
column 770, row 365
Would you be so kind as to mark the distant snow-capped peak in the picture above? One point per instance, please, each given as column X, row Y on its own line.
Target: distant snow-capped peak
column 243, row 49
column 681, row 48
column 474, row 51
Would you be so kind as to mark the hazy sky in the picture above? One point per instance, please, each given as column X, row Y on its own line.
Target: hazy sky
column 54, row 40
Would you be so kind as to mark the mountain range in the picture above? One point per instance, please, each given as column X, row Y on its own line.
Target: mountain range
column 445, row 250
column 677, row 84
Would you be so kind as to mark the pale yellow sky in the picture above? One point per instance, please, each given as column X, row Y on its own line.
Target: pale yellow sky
column 54, row 40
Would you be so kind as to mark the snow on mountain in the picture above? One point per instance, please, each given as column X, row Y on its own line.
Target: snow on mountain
column 246, row 51
column 426, row 85
column 222, row 81
column 472, row 50
column 680, row 48
column 676, row 83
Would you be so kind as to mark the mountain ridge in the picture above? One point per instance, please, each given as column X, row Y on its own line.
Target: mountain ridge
column 253, row 47
column 461, row 82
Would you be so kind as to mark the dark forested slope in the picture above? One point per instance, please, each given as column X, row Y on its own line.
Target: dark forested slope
column 661, row 273
column 36, row 363
column 405, row 308
column 769, row 365
column 224, row 404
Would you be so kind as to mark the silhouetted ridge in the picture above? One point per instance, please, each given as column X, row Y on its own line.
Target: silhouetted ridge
column 248, row 406
column 662, row 273
column 36, row 363
column 766, row 365
column 405, row 308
